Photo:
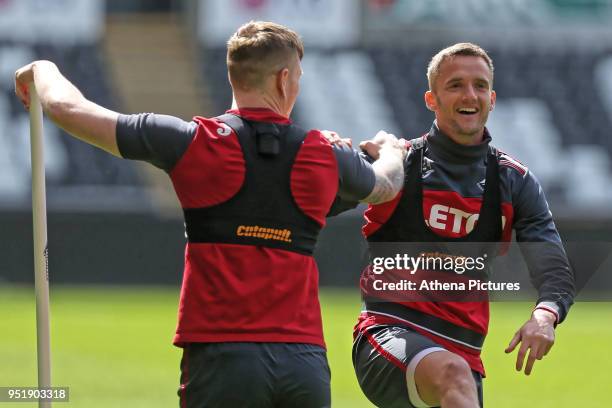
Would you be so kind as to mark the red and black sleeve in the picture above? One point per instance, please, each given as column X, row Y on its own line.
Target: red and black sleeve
column 158, row 139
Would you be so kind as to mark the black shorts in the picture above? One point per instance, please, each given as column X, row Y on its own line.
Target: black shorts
column 381, row 357
column 254, row 375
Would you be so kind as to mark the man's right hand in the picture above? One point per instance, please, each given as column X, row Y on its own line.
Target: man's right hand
column 24, row 76
column 66, row 106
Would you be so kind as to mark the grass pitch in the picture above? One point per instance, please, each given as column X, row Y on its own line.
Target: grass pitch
column 112, row 347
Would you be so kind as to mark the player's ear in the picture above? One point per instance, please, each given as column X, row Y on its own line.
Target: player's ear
column 493, row 99
column 430, row 101
column 282, row 81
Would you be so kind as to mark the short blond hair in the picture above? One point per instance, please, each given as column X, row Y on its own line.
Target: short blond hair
column 467, row 49
column 258, row 49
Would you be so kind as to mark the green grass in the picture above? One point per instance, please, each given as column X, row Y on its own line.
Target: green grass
column 112, row 347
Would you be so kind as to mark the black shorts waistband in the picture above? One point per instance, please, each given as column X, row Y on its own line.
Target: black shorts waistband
column 429, row 323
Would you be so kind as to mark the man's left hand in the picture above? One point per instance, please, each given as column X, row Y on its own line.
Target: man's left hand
column 382, row 140
column 537, row 336
column 335, row 139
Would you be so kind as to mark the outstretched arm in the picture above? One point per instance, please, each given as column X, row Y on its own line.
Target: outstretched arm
column 550, row 272
column 388, row 168
column 374, row 174
column 66, row 106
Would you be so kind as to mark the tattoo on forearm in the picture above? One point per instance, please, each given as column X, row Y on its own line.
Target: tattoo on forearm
column 389, row 172
column 381, row 191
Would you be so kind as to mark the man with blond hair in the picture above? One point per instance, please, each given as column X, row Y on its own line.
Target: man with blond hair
column 411, row 353
column 255, row 190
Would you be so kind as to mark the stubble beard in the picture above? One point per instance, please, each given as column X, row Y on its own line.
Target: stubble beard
column 470, row 132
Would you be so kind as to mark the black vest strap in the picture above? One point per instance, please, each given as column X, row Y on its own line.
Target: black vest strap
column 407, row 224
column 418, row 143
column 263, row 211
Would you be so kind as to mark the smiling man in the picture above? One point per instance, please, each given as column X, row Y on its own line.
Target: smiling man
column 461, row 93
column 424, row 354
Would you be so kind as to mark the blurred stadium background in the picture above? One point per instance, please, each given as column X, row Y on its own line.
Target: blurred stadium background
column 116, row 224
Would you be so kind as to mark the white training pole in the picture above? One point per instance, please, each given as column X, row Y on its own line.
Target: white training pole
column 41, row 271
